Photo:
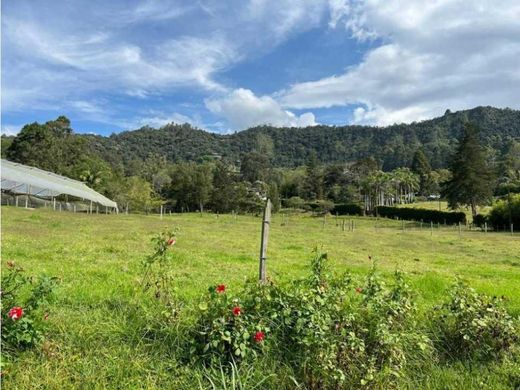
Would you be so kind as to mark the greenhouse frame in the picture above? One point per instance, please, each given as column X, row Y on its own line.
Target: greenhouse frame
column 36, row 188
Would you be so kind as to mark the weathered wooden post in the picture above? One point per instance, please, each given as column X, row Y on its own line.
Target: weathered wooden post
column 512, row 229
column 485, row 227
column 264, row 238
column 161, row 211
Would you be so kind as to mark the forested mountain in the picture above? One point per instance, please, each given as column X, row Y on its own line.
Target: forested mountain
column 393, row 146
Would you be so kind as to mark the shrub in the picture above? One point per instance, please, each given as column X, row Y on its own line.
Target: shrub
column 320, row 206
column 348, row 209
column 230, row 328
column 480, row 220
column 499, row 214
column 294, row 202
column 474, row 325
column 332, row 333
column 23, row 298
column 424, row 215
column 157, row 272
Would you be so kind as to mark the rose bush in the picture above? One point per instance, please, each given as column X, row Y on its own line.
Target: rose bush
column 23, row 302
column 330, row 332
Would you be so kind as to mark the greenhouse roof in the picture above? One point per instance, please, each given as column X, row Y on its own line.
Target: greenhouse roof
column 22, row 179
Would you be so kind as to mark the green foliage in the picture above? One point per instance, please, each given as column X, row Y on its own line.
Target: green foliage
column 27, row 297
column 390, row 147
column 331, row 333
column 347, row 209
column 139, row 195
column 506, row 212
column 51, row 146
column 157, row 272
column 229, row 328
column 474, row 325
column 421, row 167
column 480, row 220
column 472, row 180
column 254, row 166
column 191, row 186
column 320, row 206
column 424, row 215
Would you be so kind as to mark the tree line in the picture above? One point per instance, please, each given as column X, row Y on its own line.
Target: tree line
column 213, row 182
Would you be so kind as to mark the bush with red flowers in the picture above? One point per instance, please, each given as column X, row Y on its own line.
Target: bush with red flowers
column 229, row 327
column 23, row 301
column 332, row 334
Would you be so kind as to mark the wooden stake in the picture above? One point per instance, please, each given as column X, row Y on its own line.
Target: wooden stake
column 264, row 239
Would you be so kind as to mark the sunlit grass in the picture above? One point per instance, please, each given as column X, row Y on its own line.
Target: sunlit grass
column 95, row 340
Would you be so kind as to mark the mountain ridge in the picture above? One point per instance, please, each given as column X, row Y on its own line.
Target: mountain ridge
column 392, row 145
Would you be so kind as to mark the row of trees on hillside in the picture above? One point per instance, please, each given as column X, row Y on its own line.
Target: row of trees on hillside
column 223, row 185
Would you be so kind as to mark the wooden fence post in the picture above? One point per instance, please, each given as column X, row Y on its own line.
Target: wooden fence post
column 264, row 238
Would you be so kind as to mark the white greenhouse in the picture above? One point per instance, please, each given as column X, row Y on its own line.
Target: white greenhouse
column 27, row 186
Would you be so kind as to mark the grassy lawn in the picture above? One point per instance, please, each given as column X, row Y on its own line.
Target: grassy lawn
column 95, row 337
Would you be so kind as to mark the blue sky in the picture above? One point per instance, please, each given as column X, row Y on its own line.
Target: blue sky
column 227, row 65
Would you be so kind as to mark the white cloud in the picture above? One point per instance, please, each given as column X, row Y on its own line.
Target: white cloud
column 242, row 109
column 157, row 119
column 55, row 54
column 433, row 56
column 11, row 129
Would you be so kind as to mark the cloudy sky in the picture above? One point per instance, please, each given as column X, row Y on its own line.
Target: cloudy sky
column 228, row 65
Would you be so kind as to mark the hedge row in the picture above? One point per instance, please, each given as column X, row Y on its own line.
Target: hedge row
column 424, row 215
column 347, row 209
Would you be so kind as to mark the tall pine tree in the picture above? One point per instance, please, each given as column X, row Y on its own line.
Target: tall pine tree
column 472, row 179
column 421, row 166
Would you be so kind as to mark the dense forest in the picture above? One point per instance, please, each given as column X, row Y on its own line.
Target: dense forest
column 391, row 146
column 185, row 168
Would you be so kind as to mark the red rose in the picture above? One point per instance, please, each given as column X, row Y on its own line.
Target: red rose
column 359, row 290
column 171, row 242
column 259, row 336
column 221, row 288
column 236, row 311
column 15, row 313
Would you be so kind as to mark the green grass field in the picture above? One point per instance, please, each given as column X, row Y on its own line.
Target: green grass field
column 95, row 338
